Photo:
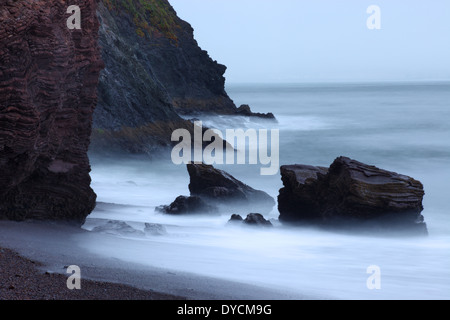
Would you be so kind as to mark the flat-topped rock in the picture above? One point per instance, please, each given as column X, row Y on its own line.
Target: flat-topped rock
column 350, row 191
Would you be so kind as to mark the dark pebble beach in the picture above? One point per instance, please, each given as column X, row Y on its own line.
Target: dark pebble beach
column 21, row 279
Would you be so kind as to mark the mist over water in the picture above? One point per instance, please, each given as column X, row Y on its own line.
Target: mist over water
column 401, row 127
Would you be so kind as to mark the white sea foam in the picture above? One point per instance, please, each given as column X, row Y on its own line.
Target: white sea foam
column 360, row 122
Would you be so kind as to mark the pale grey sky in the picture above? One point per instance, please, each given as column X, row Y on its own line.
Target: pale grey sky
column 322, row 40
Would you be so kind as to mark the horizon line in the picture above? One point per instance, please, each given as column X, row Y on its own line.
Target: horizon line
column 417, row 81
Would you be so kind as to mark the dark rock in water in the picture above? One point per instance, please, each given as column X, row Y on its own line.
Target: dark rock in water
column 351, row 191
column 48, row 92
column 300, row 199
column 236, row 218
column 118, row 228
column 253, row 219
column 256, row 219
column 244, row 110
column 187, row 205
column 222, row 189
column 155, row 229
column 213, row 191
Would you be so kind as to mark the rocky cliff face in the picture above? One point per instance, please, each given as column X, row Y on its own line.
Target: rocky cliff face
column 164, row 47
column 155, row 71
column 134, row 112
column 48, row 91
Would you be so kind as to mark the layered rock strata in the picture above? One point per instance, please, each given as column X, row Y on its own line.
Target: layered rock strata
column 351, row 191
column 48, row 91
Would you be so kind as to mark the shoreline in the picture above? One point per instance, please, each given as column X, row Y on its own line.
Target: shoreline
column 21, row 279
column 43, row 250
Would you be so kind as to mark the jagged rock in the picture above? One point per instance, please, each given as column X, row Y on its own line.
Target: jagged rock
column 253, row 219
column 215, row 191
column 48, row 92
column 220, row 188
column 155, row 229
column 351, row 191
column 118, row 228
column 236, row 218
column 244, row 110
column 187, row 205
column 256, row 219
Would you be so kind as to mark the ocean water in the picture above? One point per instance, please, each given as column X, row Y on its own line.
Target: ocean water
column 402, row 127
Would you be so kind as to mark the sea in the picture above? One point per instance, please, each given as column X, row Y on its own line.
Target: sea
column 398, row 126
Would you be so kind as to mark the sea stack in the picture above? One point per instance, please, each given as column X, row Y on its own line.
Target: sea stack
column 48, row 91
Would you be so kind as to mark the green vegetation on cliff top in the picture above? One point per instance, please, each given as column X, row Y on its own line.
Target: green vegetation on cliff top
column 156, row 17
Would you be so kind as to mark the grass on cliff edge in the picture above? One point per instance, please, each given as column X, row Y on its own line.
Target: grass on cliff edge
column 156, row 17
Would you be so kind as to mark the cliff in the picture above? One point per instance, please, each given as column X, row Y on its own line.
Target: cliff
column 48, row 91
column 154, row 72
column 51, row 79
